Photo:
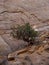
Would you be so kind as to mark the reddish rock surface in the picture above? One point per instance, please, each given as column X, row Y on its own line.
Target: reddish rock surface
column 13, row 12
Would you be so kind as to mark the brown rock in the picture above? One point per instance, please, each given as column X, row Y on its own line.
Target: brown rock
column 4, row 47
column 3, row 59
column 14, row 43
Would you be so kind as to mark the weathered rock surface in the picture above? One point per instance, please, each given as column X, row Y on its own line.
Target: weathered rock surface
column 28, row 57
column 13, row 12
column 19, row 12
column 4, row 47
column 3, row 60
column 13, row 43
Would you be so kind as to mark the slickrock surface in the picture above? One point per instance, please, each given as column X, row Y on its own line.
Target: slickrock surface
column 13, row 43
column 28, row 56
column 21, row 11
column 13, row 12
column 4, row 47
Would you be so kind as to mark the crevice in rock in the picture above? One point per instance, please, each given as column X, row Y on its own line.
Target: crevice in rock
column 36, row 17
column 12, row 12
column 47, row 20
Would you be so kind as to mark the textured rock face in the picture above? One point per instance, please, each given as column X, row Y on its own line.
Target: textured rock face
column 3, row 60
column 13, row 12
column 19, row 12
column 4, row 47
column 30, row 57
column 13, row 43
column 32, row 6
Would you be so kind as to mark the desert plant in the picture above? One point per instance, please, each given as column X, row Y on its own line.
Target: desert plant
column 24, row 32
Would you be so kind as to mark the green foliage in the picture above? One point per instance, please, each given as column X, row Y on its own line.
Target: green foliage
column 24, row 32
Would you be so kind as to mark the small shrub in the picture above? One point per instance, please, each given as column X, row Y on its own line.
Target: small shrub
column 24, row 32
